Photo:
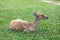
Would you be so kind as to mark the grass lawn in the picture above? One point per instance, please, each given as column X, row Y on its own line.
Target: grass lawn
column 14, row 9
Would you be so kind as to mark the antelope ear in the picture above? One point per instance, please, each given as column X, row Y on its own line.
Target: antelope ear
column 34, row 13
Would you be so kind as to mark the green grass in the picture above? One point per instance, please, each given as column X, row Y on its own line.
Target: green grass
column 14, row 9
column 56, row 0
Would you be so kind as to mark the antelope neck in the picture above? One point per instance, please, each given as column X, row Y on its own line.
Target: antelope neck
column 36, row 21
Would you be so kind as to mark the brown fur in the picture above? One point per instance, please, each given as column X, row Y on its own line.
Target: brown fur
column 20, row 24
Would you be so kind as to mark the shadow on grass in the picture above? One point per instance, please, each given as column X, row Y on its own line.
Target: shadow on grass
column 42, row 32
column 35, row 32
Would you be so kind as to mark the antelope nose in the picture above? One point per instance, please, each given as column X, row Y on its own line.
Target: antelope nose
column 46, row 17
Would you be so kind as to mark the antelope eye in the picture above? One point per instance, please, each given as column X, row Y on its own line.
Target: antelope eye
column 42, row 15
